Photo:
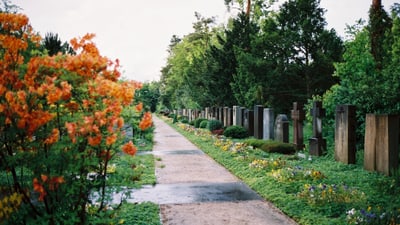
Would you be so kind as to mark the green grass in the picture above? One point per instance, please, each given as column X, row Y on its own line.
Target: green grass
column 380, row 191
column 139, row 214
column 132, row 172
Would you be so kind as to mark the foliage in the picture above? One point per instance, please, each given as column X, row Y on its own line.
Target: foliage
column 256, row 59
column 149, row 95
column 198, row 121
column 256, row 143
column 278, row 147
column 203, row 124
column 145, row 213
column 236, row 132
column 368, row 86
column 53, row 46
column 214, row 125
column 60, row 121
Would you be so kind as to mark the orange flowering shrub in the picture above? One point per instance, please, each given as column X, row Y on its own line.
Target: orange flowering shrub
column 59, row 116
column 146, row 121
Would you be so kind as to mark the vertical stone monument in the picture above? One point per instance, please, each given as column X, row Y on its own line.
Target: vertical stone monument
column 317, row 142
column 298, row 116
column 237, row 116
column 258, row 121
column 249, row 121
column 268, row 124
column 282, row 128
column 345, row 134
column 381, row 151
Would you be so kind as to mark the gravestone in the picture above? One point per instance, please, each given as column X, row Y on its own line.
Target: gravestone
column 345, row 134
column 298, row 116
column 258, row 121
column 237, row 116
column 207, row 110
column 230, row 117
column 249, row 121
column 282, row 128
column 242, row 111
column 190, row 118
column 225, row 121
column 381, row 151
column 221, row 114
column 268, row 124
column 317, row 142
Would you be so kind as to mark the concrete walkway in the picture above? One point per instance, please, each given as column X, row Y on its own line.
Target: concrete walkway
column 193, row 189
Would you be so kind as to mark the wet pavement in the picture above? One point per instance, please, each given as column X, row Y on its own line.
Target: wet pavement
column 193, row 189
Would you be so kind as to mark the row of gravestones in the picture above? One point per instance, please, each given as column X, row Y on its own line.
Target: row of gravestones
column 381, row 151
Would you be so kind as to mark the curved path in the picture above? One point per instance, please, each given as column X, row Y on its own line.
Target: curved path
column 192, row 189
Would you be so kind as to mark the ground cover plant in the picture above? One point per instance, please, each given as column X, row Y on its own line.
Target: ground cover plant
column 311, row 190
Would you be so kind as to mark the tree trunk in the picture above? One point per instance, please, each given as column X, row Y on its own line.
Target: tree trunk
column 248, row 8
column 376, row 4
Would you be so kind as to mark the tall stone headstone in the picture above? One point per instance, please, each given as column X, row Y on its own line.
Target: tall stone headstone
column 258, row 121
column 381, row 151
column 268, row 124
column 249, row 121
column 221, row 114
column 345, row 134
column 190, row 118
column 237, row 116
column 207, row 111
column 298, row 116
column 225, row 121
column 229, row 121
column 317, row 142
column 242, row 110
column 282, row 128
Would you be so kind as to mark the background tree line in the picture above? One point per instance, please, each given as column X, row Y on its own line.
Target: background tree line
column 275, row 57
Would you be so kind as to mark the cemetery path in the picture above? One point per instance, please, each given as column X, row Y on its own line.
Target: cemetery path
column 193, row 189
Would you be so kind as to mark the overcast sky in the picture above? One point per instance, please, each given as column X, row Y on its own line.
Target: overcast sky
column 138, row 32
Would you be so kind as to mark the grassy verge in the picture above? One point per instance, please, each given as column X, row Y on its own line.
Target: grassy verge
column 133, row 172
column 314, row 190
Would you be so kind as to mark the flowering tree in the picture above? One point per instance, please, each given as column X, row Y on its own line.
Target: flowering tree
column 60, row 120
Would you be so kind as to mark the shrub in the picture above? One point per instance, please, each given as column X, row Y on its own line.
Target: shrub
column 184, row 121
column 256, row 143
column 214, row 125
column 278, row 147
column 171, row 115
column 203, row 124
column 198, row 121
column 236, row 132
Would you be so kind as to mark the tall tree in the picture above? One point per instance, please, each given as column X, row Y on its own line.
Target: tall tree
column 309, row 46
column 380, row 23
column 53, row 44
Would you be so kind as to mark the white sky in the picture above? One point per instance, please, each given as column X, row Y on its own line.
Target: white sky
column 138, row 32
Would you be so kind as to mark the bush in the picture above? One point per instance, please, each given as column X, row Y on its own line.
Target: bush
column 214, row 125
column 198, row 121
column 256, row 143
column 236, row 132
column 278, row 147
column 203, row 124
column 171, row 115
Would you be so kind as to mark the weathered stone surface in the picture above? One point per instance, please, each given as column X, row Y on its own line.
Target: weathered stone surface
column 282, row 128
column 345, row 134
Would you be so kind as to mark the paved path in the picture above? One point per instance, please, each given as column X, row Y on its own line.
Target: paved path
column 193, row 189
